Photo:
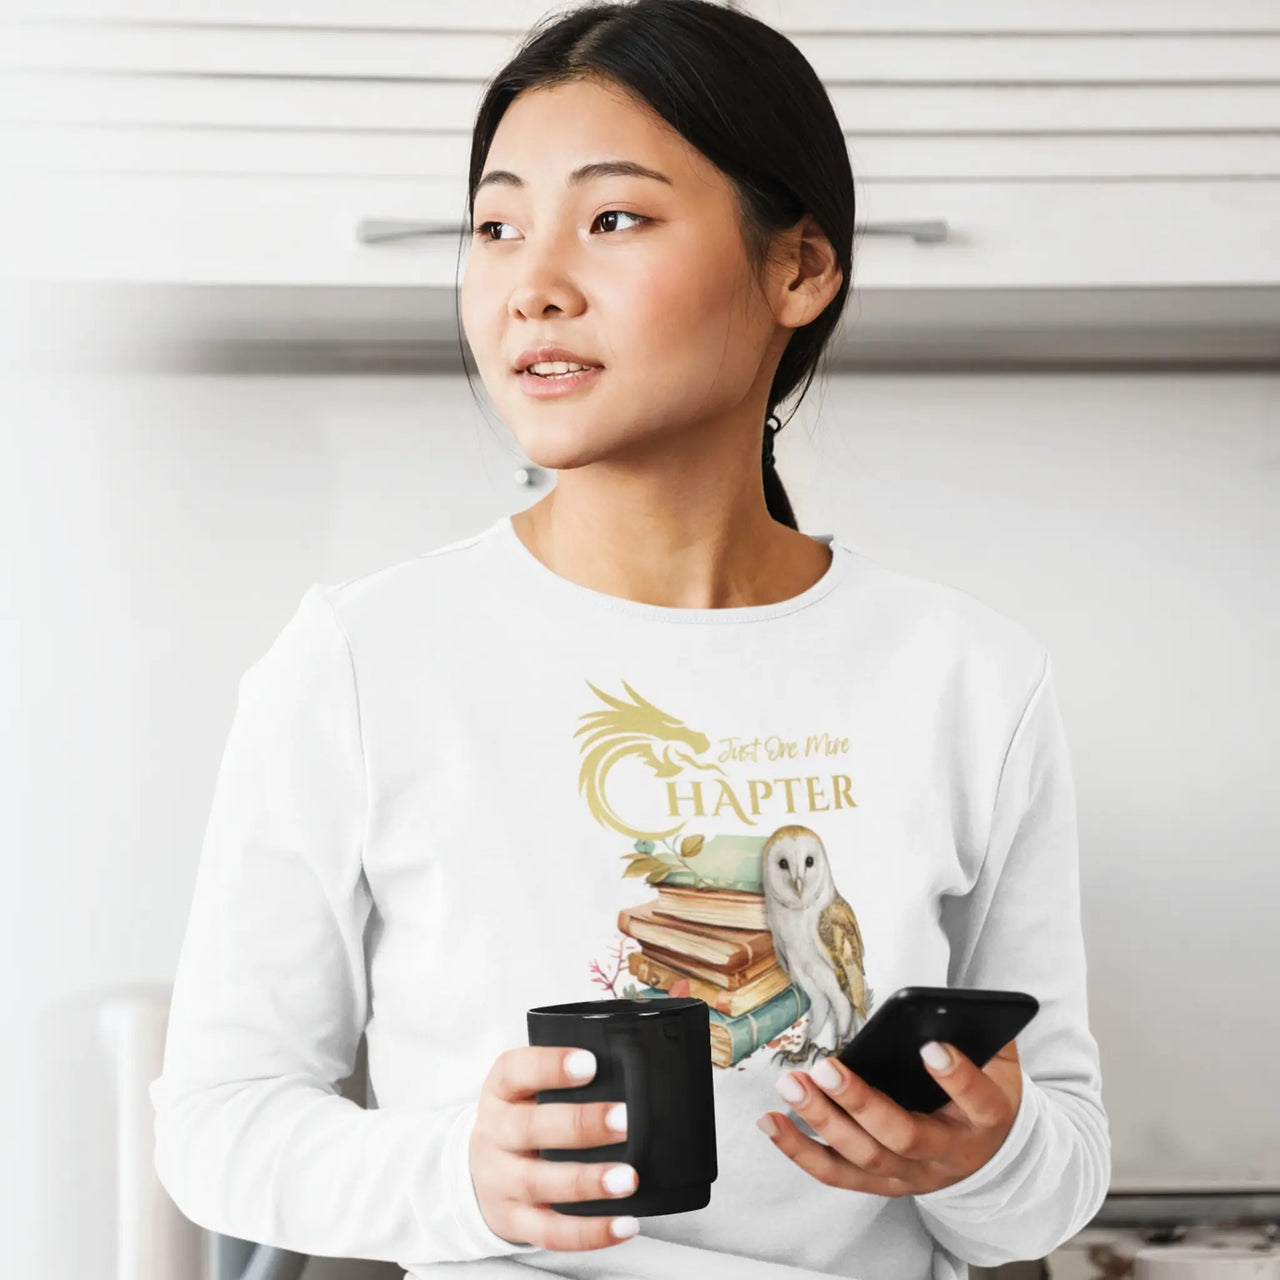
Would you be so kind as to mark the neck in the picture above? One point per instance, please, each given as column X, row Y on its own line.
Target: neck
column 678, row 555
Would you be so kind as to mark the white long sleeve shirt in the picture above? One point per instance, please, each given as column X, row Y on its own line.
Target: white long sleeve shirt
column 434, row 781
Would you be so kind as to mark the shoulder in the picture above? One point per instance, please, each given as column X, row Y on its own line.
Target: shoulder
column 332, row 621
column 959, row 636
column 451, row 562
column 434, row 585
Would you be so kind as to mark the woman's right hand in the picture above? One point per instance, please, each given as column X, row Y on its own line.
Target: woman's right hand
column 514, row 1185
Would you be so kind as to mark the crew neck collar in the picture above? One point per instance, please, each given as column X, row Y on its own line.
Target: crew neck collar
column 541, row 575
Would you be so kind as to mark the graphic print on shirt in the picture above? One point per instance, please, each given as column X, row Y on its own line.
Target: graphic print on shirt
column 748, row 919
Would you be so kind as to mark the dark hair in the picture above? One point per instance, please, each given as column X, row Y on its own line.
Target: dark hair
column 744, row 96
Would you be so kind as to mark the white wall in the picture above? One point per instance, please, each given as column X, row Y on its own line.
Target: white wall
column 155, row 534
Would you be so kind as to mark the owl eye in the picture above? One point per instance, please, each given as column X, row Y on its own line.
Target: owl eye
column 808, row 862
column 782, row 862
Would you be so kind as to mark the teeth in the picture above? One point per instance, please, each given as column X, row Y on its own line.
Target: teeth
column 555, row 366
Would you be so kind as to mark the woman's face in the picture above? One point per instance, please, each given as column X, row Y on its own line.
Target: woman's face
column 647, row 278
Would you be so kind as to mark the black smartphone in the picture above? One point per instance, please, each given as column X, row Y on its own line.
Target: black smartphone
column 886, row 1051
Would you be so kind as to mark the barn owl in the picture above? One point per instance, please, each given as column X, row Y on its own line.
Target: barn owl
column 816, row 937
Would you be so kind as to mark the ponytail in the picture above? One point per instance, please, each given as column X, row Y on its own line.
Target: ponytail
column 775, row 496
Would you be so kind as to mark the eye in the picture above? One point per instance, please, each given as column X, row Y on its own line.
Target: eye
column 481, row 230
column 613, row 213
column 808, row 862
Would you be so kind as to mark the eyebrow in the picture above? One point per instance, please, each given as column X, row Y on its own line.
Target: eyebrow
column 597, row 169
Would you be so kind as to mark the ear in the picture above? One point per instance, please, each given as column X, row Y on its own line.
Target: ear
column 807, row 274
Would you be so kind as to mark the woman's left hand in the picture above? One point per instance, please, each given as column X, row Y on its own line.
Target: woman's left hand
column 878, row 1147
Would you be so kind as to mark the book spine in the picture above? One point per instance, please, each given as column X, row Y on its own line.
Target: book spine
column 732, row 1003
column 704, row 942
column 662, row 976
column 735, row 915
column 758, row 1026
column 698, row 945
column 717, row 976
column 733, row 1039
column 685, row 880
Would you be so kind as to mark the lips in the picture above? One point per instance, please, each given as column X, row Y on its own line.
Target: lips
column 536, row 355
column 554, row 387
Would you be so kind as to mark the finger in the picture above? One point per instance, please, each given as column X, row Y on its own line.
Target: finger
column 907, row 1134
column 827, row 1165
column 982, row 1100
column 509, row 1113
column 561, row 1181
column 547, row 1229
column 526, row 1179
column 538, row 1126
column 846, row 1134
column 1005, row 1068
column 521, row 1072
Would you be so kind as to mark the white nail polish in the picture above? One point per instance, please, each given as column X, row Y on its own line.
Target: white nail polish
column 581, row 1063
column 935, row 1055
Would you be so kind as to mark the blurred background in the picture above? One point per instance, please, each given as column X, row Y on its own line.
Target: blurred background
column 232, row 367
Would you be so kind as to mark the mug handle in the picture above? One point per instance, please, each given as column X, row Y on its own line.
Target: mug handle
column 636, row 1093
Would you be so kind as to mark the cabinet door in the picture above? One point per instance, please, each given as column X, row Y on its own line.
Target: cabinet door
column 215, row 141
column 247, row 141
column 1063, row 144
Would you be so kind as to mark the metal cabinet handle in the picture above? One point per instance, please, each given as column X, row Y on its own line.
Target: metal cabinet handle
column 378, row 230
column 927, row 231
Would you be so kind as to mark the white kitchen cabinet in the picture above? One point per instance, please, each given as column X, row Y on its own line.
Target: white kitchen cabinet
column 242, row 142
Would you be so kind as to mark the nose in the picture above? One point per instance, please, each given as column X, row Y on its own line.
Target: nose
column 542, row 279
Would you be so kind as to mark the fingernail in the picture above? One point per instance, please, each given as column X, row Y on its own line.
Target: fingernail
column 620, row 1178
column 617, row 1117
column 827, row 1076
column 766, row 1125
column 935, row 1055
column 623, row 1227
column 581, row 1063
column 790, row 1087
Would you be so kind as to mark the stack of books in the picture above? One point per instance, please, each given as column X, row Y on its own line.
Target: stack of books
column 707, row 935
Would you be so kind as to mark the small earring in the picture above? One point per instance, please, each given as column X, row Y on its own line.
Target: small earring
column 769, row 432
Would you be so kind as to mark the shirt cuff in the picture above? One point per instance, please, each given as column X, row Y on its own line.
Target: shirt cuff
column 981, row 1189
column 484, row 1242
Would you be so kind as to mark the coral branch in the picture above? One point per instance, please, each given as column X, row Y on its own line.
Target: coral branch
column 618, row 954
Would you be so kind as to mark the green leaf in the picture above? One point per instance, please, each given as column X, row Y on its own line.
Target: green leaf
column 645, row 867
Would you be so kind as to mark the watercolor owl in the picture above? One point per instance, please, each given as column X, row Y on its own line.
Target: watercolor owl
column 816, row 937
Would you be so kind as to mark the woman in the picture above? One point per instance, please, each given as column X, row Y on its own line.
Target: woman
column 456, row 788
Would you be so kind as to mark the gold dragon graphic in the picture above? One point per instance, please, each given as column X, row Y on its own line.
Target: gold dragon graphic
column 624, row 729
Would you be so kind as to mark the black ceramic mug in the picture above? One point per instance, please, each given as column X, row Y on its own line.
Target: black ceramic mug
column 654, row 1055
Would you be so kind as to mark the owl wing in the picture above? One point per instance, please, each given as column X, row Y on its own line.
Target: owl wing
column 839, row 932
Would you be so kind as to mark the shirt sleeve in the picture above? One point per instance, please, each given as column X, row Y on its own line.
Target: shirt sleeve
column 253, row 1138
column 1019, row 929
